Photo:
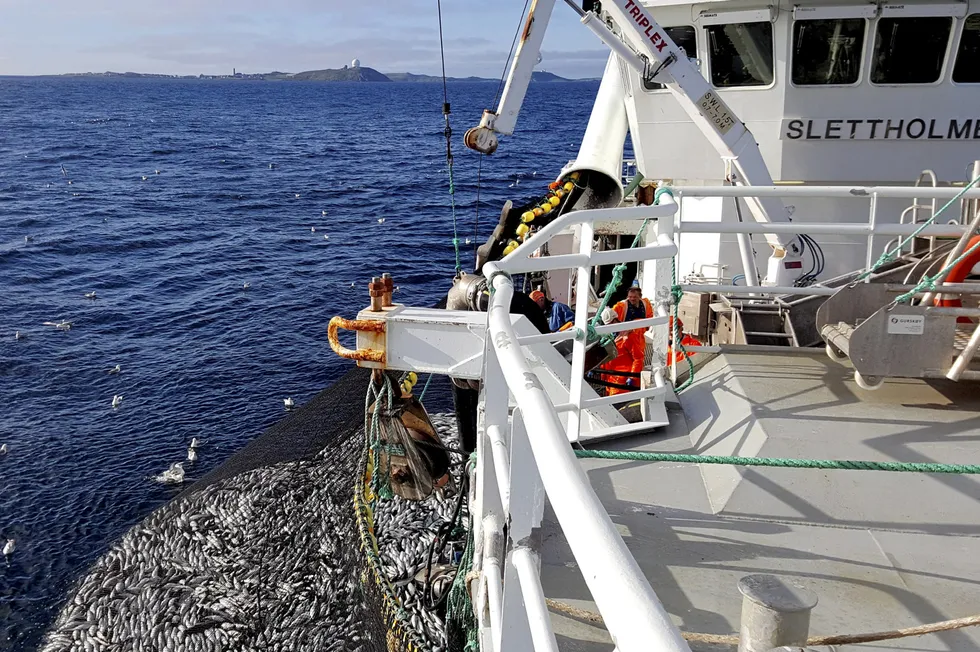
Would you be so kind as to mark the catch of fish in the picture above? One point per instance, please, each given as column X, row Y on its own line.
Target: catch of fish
column 268, row 559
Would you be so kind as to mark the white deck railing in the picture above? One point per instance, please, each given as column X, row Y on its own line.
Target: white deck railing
column 526, row 454
column 872, row 228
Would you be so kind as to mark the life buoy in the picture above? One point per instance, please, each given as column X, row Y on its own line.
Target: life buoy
column 957, row 275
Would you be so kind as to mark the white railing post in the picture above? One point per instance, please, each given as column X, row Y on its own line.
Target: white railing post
column 872, row 219
column 576, row 382
column 489, row 516
column 525, row 621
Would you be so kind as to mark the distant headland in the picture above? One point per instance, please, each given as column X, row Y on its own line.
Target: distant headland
column 346, row 74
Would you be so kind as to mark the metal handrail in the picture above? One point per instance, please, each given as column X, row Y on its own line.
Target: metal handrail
column 631, row 610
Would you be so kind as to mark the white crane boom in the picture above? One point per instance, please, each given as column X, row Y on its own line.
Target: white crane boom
column 648, row 49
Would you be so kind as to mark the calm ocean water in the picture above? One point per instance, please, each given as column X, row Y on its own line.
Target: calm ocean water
column 246, row 169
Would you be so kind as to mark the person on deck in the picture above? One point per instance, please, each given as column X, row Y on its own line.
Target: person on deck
column 635, row 306
column 558, row 314
column 625, row 360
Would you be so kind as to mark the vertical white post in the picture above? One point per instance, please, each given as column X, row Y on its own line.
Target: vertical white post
column 577, row 381
column 489, row 514
column 872, row 218
column 519, row 631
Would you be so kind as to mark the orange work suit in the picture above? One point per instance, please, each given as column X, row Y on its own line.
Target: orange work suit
column 637, row 345
column 627, row 358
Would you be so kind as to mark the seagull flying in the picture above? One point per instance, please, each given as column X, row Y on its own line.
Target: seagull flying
column 91, row 295
column 9, row 548
column 117, row 400
column 173, row 475
column 63, row 325
column 289, row 403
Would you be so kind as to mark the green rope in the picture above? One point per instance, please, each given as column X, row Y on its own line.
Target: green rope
column 889, row 256
column 380, row 482
column 845, row 465
column 425, row 387
column 452, row 200
column 676, row 294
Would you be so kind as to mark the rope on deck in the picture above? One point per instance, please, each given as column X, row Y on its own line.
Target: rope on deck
column 815, row 641
column 844, row 465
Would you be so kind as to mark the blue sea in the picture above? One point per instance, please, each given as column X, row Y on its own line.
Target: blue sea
column 182, row 191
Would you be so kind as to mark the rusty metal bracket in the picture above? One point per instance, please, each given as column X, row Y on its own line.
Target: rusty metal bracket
column 364, row 325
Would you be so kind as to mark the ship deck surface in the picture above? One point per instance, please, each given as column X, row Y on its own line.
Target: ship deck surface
column 881, row 550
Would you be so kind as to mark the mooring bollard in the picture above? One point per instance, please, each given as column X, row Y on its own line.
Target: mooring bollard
column 775, row 612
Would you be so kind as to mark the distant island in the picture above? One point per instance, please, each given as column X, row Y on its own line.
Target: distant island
column 352, row 73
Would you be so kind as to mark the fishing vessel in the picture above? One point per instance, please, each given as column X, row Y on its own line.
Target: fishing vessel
column 787, row 460
column 802, row 207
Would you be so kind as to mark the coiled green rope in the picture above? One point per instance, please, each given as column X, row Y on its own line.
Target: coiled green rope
column 844, row 465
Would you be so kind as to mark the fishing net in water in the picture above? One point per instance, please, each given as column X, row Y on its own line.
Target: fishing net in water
column 285, row 547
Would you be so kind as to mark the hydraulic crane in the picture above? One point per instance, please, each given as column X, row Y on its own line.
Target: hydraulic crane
column 629, row 30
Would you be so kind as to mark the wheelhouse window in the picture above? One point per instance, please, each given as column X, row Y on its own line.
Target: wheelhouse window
column 741, row 54
column 683, row 37
column 910, row 50
column 827, row 51
column 967, row 69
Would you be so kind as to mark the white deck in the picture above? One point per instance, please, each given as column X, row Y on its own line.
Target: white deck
column 882, row 550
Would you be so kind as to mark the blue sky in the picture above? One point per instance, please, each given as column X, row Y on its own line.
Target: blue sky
column 203, row 36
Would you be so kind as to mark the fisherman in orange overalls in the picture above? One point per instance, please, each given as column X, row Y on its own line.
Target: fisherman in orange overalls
column 628, row 356
column 635, row 306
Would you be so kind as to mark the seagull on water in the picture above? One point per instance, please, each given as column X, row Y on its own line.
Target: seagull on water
column 144, row 177
column 246, row 285
column 326, row 237
column 69, row 182
column 191, row 454
column 381, row 220
column 195, row 442
column 312, row 229
column 63, row 325
column 324, row 213
column 297, row 195
column 289, row 403
column 115, row 370
column 3, row 449
column 91, row 295
column 156, row 172
column 272, row 166
column 468, row 240
column 28, row 238
column 18, row 335
column 352, row 286
column 117, row 400
column 64, row 171
column 173, row 475
column 9, row 548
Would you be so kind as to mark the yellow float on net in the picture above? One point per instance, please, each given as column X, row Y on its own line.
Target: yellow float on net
column 545, row 208
column 569, row 185
column 527, row 216
column 522, row 230
column 554, row 201
column 511, row 246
